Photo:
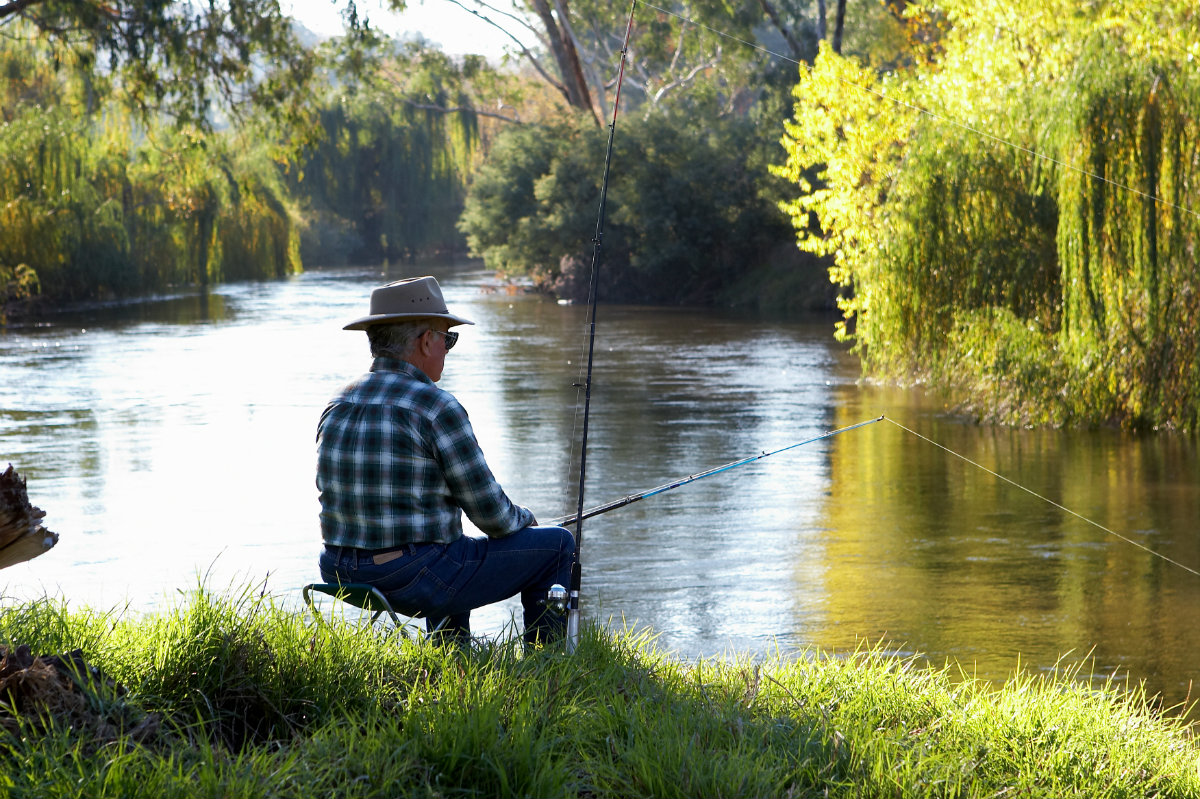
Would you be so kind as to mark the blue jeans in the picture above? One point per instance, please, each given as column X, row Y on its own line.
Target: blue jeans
column 446, row 581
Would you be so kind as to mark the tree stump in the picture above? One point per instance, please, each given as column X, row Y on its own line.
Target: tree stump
column 22, row 536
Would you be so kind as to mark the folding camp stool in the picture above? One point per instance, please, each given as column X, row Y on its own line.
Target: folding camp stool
column 367, row 597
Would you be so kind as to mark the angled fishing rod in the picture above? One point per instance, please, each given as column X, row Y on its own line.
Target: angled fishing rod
column 662, row 489
column 572, row 599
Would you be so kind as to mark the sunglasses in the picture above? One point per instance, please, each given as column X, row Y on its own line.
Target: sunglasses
column 451, row 338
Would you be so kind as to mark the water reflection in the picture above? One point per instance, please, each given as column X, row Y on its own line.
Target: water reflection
column 931, row 551
column 173, row 439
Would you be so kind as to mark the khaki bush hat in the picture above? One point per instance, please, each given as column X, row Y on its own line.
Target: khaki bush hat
column 412, row 298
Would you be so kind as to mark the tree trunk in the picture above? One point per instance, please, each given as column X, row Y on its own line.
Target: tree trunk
column 839, row 24
column 22, row 536
column 821, row 20
column 562, row 47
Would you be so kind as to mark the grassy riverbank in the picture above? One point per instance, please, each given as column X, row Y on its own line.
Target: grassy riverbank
column 230, row 695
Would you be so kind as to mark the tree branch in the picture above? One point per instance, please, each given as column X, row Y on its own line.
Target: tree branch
column 464, row 109
column 689, row 77
column 524, row 50
column 839, row 25
column 441, row 109
column 519, row 20
column 16, row 7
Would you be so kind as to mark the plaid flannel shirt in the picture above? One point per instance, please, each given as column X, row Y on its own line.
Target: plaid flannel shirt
column 398, row 463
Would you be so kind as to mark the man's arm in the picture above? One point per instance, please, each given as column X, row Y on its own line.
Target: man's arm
column 472, row 484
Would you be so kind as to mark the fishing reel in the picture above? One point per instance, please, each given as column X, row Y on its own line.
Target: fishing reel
column 556, row 599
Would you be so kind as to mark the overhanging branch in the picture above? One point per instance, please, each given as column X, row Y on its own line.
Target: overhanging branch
column 529, row 56
column 462, row 108
column 15, row 7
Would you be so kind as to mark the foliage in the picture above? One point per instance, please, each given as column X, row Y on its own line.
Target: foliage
column 507, row 217
column 258, row 700
column 680, row 55
column 388, row 151
column 844, row 130
column 689, row 199
column 1128, row 236
column 16, row 283
column 400, row 135
column 174, row 57
column 685, row 216
column 98, row 206
column 1030, row 179
column 689, row 59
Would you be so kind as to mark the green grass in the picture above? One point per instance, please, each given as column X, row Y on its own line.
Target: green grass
column 233, row 695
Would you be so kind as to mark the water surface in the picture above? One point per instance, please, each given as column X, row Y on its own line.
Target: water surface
column 171, row 441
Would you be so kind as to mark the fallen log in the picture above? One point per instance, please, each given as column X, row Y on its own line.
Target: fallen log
column 22, row 536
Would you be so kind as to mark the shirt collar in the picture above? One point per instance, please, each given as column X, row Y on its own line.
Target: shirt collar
column 385, row 364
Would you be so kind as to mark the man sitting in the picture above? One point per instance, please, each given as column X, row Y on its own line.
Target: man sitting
column 398, row 464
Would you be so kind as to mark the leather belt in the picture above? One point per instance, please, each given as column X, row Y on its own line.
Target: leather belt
column 378, row 556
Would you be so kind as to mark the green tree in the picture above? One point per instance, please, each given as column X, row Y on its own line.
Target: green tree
column 175, row 57
column 704, row 106
column 1008, row 213
column 400, row 136
column 102, row 204
column 686, row 217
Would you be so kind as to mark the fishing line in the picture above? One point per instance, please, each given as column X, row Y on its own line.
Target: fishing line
column 934, row 115
column 1031, row 492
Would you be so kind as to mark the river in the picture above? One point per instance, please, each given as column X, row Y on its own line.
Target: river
column 170, row 441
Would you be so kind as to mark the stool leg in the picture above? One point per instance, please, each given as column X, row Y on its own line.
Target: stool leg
column 308, row 600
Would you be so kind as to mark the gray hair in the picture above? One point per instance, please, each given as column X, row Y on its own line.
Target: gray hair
column 395, row 340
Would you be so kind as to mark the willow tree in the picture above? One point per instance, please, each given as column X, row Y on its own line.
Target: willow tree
column 400, row 136
column 1130, row 230
column 1011, row 214
column 192, row 62
column 102, row 204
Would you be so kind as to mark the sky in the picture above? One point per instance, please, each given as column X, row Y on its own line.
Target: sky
column 440, row 21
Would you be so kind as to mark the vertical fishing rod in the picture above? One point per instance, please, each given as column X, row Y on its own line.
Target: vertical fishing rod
column 576, row 567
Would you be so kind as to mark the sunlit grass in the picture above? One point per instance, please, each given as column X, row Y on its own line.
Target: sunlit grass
column 249, row 698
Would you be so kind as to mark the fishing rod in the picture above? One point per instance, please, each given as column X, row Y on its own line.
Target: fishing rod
column 662, row 489
column 572, row 598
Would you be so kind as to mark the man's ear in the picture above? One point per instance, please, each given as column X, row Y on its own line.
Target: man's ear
column 423, row 343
